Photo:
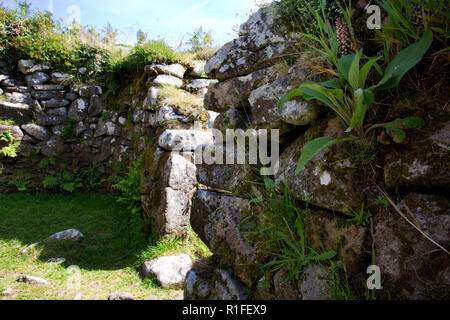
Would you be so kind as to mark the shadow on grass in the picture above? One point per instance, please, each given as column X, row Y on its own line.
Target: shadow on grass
column 109, row 244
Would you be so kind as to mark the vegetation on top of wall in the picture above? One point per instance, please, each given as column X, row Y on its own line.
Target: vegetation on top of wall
column 38, row 36
column 296, row 14
column 351, row 94
column 121, row 71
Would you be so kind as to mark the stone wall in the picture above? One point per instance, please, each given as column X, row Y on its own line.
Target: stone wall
column 76, row 126
column 251, row 81
column 158, row 115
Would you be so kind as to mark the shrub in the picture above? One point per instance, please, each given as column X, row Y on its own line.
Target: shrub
column 297, row 16
column 120, row 72
column 130, row 194
column 37, row 36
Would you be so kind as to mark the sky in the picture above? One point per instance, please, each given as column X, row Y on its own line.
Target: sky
column 172, row 20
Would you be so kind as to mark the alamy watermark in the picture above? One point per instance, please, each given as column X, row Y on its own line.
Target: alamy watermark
column 374, row 21
column 374, row 281
column 237, row 147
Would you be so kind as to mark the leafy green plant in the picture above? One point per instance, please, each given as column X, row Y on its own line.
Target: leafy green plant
column 120, row 72
column 380, row 201
column 62, row 181
column 361, row 217
column 408, row 20
column 281, row 231
column 46, row 162
column 298, row 16
column 130, row 195
column 11, row 148
column 20, row 184
column 200, row 40
column 350, row 98
column 92, row 177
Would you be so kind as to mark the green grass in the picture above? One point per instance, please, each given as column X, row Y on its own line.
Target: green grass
column 109, row 257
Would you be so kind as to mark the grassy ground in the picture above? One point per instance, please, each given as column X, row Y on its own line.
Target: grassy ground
column 108, row 258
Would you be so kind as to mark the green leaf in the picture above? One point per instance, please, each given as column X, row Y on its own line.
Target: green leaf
column 313, row 91
column 344, row 65
column 365, row 70
column 404, row 62
column 396, row 128
column 50, row 181
column 69, row 187
column 288, row 97
column 353, row 75
column 324, row 256
column 360, row 110
column 270, row 184
column 311, row 149
column 333, row 84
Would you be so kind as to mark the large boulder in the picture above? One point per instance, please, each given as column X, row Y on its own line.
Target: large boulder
column 234, row 93
column 216, row 219
column 329, row 180
column 264, row 103
column 170, row 271
column 258, row 46
column 350, row 241
column 412, row 267
column 316, row 283
column 172, row 193
column 228, row 177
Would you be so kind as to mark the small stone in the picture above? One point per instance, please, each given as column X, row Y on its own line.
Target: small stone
column 121, row 296
column 170, row 271
column 60, row 78
column 56, row 260
column 9, row 292
column 68, row 235
column 78, row 296
column 32, row 280
column 89, row 91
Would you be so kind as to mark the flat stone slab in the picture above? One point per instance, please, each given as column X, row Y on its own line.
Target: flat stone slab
column 184, row 140
column 18, row 112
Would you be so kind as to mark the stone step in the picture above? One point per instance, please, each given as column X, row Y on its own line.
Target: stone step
column 19, row 113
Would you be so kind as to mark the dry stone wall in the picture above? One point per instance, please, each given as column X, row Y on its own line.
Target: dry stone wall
column 251, row 82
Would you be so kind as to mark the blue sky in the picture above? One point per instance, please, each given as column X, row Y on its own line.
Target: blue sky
column 168, row 19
